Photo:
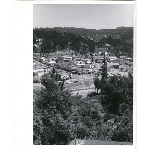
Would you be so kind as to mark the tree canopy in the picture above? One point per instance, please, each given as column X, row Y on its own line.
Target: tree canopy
column 59, row 118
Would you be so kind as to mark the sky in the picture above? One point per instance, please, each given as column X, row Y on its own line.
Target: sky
column 90, row 16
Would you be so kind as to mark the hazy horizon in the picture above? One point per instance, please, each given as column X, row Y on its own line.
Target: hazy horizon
column 88, row 16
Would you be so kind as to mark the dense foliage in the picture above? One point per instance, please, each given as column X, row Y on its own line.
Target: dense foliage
column 51, row 109
column 53, row 41
column 118, row 101
column 60, row 117
column 82, row 40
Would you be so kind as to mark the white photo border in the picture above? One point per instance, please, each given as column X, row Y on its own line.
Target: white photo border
column 24, row 77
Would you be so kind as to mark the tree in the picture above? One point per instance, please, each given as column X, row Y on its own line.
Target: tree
column 97, row 83
column 118, row 90
column 117, row 101
column 34, row 40
column 51, row 109
column 104, row 75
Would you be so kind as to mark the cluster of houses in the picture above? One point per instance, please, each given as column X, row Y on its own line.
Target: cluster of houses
column 71, row 63
column 91, row 63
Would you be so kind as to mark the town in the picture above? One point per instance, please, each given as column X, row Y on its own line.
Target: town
column 79, row 67
column 83, row 71
column 83, row 87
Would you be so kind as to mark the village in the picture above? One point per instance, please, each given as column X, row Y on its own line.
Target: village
column 78, row 70
column 83, row 75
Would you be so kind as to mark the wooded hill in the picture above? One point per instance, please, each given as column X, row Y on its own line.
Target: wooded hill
column 126, row 33
column 86, row 39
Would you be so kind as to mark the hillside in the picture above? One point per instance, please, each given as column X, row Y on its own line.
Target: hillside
column 122, row 31
column 84, row 40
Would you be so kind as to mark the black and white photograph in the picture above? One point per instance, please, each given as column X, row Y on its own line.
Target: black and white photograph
column 83, row 73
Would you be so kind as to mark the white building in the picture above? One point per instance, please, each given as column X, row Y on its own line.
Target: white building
column 111, row 57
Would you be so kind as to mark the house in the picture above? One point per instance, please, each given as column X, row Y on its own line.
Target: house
column 123, row 57
column 111, row 58
column 88, row 61
column 94, row 58
column 123, row 68
column 77, row 58
column 107, row 45
column 44, row 60
column 128, row 59
column 130, row 64
column 80, row 64
column 112, row 65
column 51, row 63
column 109, row 65
column 38, row 40
column 66, row 58
column 116, row 65
column 88, row 66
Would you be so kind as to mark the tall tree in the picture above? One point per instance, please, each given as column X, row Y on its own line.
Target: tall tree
column 97, row 83
column 104, row 74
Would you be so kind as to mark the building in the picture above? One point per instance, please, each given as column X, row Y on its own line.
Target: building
column 112, row 65
column 123, row 57
column 130, row 64
column 116, row 65
column 128, row 59
column 94, row 58
column 66, row 58
column 80, row 64
column 111, row 58
column 123, row 68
